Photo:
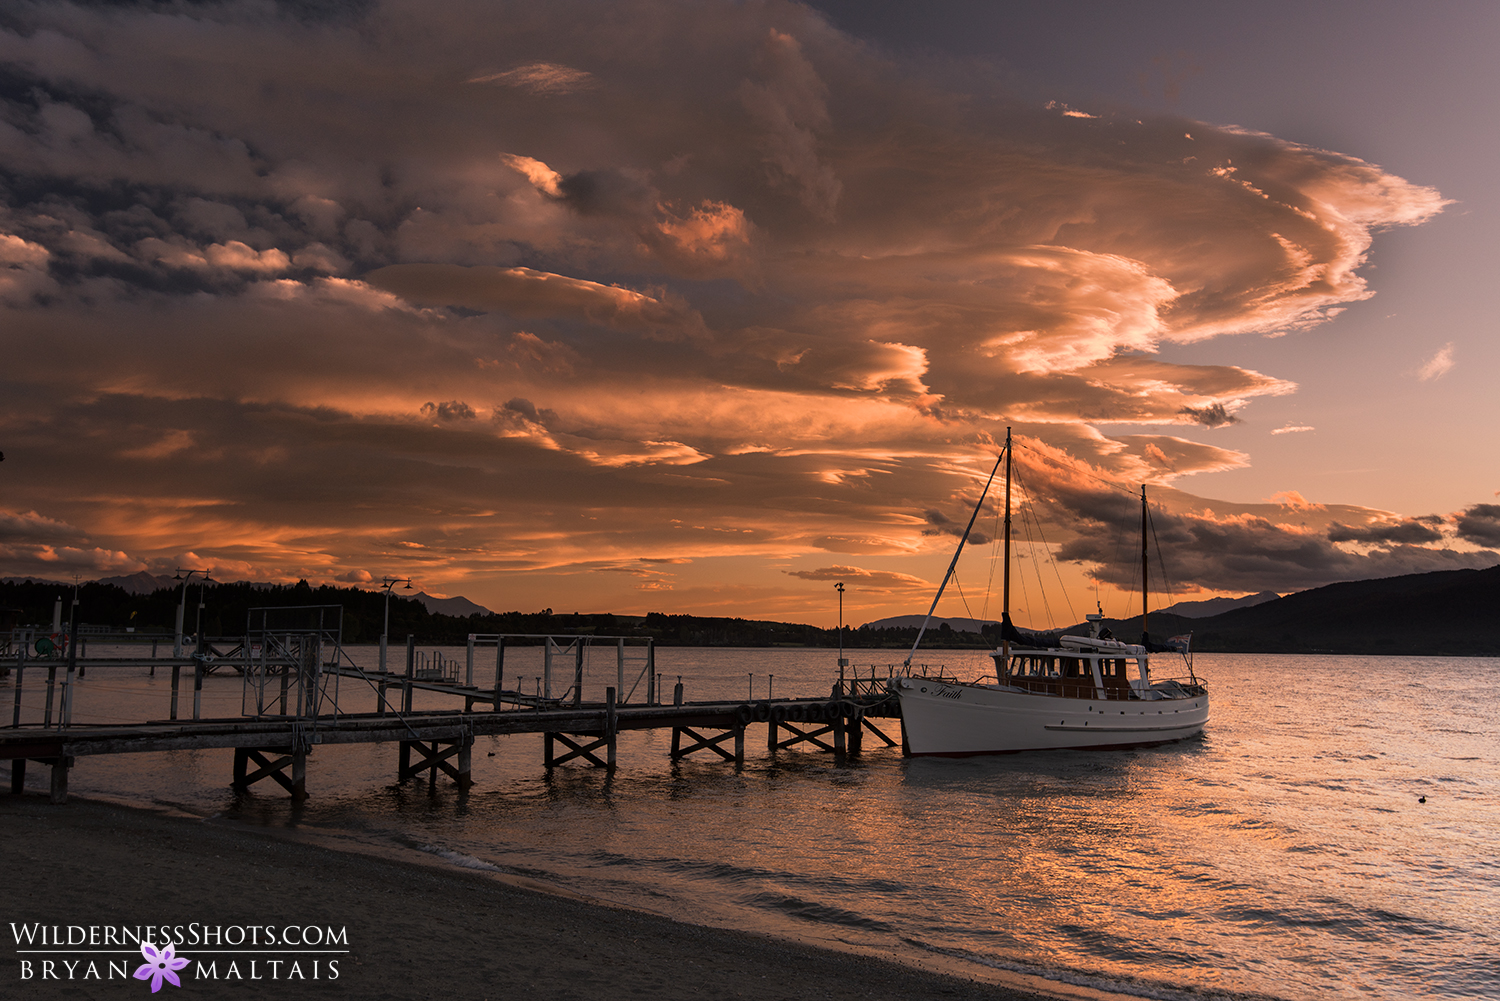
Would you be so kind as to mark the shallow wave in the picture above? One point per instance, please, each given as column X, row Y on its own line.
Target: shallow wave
column 1135, row 987
column 809, row 910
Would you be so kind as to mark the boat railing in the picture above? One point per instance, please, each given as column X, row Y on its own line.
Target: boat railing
column 931, row 672
column 874, row 679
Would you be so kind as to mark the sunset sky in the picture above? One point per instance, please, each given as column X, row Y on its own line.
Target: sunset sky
column 702, row 306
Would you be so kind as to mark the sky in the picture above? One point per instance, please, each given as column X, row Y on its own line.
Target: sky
column 704, row 307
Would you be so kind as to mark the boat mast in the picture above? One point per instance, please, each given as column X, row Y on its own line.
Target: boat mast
column 1145, row 564
column 1005, row 591
column 958, row 552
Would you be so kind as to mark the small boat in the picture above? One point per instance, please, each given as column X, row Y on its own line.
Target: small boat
column 1092, row 691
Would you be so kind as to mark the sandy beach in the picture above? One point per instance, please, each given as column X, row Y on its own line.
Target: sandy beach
column 413, row 930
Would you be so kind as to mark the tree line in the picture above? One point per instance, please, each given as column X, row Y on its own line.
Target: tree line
column 227, row 608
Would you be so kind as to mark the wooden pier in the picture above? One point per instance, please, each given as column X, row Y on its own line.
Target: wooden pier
column 291, row 682
column 441, row 740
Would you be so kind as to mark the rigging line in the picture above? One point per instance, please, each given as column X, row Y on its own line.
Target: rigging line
column 1025, row 597
column 1072, row 612
column 1028, row 507
column 954, row 564
column 959, row 584
column 1118, row 561
column 1031, row 555
column 989, row 584
column 1036, row 565
column 1160, row 561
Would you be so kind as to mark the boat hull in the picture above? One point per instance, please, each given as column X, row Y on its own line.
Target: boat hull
column 952, row 720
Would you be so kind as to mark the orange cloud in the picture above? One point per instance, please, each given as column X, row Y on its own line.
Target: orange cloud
column 774, row 296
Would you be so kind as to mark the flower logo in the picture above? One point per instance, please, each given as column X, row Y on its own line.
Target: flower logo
column 160, row 966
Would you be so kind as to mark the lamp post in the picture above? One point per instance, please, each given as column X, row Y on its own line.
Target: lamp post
column 839, row 587
column 198, row 625
column 388, row 583
column 182, row 606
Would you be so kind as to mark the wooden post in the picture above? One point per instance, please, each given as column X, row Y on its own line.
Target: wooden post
column 432, row 770
column 403, row 760
column 469, row 664
column 17, row 776
column 677, row 692
column 65, row 702
column 197, row 687
column 499, row 670
column 299, row 773
column 51, row 681
column 176, row 680
column 771, row 730
column 60, row 779
column 411, row 672
column 610, row 719
column 547, row 750
column 380, row 697
column 676, row 741
column 241, row 761
column 546, row 681
column 840, row 731
column 653, row 683
column 620, row 666
column 857, row 733
column 465, row 762
column 578, row 672
column 20, row 673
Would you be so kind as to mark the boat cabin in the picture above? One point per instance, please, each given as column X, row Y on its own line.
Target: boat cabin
column 1083, row 667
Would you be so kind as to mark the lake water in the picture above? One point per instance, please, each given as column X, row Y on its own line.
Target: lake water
column 1284, row 854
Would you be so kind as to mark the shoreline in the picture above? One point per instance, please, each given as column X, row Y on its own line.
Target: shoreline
column 417, row 926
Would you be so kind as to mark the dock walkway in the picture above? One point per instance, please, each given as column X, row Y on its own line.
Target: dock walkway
column 441, row 739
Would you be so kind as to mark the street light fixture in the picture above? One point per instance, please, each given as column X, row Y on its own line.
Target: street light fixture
column 388, row 583
column 839, row 587
column 182, row 605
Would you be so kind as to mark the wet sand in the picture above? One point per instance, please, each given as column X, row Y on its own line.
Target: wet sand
column 414, row 930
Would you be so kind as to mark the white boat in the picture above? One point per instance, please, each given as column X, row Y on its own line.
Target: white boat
column 1088, row 692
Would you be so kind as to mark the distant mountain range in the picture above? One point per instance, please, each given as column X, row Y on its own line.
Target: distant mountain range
column 459, row 606
column 136, row 583
column 1450, row 612
column 145, row 583
column 958, row 625
column 1218, row 606
column 1184, row 609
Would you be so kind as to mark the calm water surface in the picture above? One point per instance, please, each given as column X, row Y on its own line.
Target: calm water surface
column 1284, row 854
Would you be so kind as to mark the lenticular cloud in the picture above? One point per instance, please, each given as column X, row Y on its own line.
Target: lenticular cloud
column 739, row 266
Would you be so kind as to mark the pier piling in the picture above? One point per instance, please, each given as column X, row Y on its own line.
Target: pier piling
column 60, row 779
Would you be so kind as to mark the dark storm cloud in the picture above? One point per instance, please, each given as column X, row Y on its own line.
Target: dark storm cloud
column 1414, row 531
column 1212, row 416
column 940, row 524
column 1480, row 524
column 1246, row 552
